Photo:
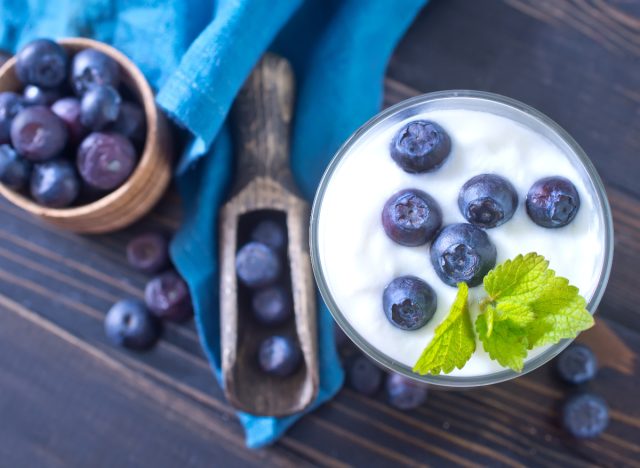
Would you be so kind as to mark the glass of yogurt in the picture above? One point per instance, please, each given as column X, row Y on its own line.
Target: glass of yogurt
column 354, row 258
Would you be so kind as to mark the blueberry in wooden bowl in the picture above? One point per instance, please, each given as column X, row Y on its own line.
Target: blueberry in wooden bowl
column 130, row 171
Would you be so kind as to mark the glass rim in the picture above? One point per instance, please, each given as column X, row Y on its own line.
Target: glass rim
column 449, row 380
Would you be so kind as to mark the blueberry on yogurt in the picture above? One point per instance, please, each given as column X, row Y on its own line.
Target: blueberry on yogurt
column 409, row 303
column 553, row 202
column 411, row 217
column 462, row 253
column 487, row 200
column 420, row 146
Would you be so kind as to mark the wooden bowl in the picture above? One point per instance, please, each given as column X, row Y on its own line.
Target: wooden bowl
column 146, row 185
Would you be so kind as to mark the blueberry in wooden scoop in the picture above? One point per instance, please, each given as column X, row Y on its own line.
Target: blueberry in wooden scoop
column 279, row 355
column 411, row 217
column 272, row 305
column 257, row 265
column 462, row 253
column 409, row 303
column 420, row 146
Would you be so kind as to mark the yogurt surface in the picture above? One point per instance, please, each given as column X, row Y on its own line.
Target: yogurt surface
column 358, row 259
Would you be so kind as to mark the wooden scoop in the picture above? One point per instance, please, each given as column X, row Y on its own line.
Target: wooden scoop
column 264, row 188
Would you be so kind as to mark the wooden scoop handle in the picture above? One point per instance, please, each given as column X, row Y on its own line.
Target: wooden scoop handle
column 261, row 118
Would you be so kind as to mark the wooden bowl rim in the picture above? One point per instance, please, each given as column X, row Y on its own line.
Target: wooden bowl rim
column 143, row 89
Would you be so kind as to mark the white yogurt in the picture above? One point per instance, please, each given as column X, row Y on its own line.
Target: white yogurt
column 358, row 259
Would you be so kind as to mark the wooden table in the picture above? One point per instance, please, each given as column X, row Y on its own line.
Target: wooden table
column 68, row 398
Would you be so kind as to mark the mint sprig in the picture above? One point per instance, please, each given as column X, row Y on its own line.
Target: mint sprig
column 527, row 306
column 453, row 342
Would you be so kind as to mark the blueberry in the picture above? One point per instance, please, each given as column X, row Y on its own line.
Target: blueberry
column 257, row 265
column 106, row 160
column 68, row 109
column 364, row 376
column 131, row 122
column 279, row 356
column 42, row 63
column 411, row 217
column 420, row 146
column 148, row 252
column 90, row 68
column 404, row 393
column 55, row 183
column 271, row 234
column 128, row 323
column 585, row 415
column 167, row 296
column 14, row 170
column 553, row 202
column 10, row 105
column 37, row 96
column 408, row 302
column 99, row 107
column 488, row 200
column 577, row 364
column 462, row 253
column 272, row 305
column 38, row 134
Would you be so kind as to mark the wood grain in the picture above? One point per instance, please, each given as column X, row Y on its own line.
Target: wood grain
column 70, row 399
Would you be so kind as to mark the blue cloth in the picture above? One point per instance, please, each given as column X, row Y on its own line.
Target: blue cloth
column 198, row 54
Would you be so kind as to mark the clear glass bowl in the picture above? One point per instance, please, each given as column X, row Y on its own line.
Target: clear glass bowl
column 486, row 102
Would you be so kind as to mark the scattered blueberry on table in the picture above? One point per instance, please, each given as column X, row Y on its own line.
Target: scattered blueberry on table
column 488, row 200
column 95, row 130
column 577, row 364
column 462, row 253
column 167, row 296
column 128, row 323
column 553, row 202
column 148, row 252
column 585, row 415
column 404, row 393
column 411, row 217
column 420, row 146
column 409, row 302
column 279, row 356
column 363, row 375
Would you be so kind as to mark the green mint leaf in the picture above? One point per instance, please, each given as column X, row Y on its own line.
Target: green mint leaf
column 453, row 343
column 507, row 343
column 528, row 306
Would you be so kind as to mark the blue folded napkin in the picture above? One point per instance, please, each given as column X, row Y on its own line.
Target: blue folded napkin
column 198, row 54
